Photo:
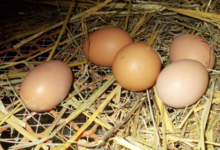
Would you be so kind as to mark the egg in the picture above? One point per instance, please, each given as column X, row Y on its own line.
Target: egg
column 182, row 83
column 189, row 46
column 136, row 66
column 104, row 44
column 46, row 86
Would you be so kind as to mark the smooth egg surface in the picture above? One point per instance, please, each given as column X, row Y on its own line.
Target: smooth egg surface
column 46, row 85
column 182, row 83
column 104, row 44
column 136, row 66
column 189, row 46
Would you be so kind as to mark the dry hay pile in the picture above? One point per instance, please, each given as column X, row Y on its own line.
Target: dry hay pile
column 114, row 118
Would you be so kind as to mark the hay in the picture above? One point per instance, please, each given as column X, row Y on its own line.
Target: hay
column 116, row 118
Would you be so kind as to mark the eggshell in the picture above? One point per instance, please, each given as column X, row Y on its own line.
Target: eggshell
column 104, row 44
column 182, row 83
column 46, row 86
column 189, row 46
column 136, row 66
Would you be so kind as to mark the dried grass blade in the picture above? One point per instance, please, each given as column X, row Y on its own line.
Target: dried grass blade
column 61, row 32
column 121, row 13
column 38, row 54
column 133, row 109
column 97, row 120
column 123, row 142
column 188, row 114
column 4, row 111
column 216, row 100
column 153, row 38
column 67, row 61
column 88, row 122
column 30, row 144
column 128, row 15
column 72, row 19
column 209, row 131
column 190, row 27
column 21, row 130
column 99, row 6
column 169, row 124
column 13, row 75
column 174, row 138
column 136, row 120
column 47, row 50
column 92, row 98
column 154, row 7
column 118, row 95
column 152, row 118
column 27, row 33
column 204, row 118
column 28, row 39
column 194, row 13
column 48, row 131
column 9, row 114
column 77, row 64
column 143, row 142
column 138, row 25
column 10, row 82
column 216, row 93
column 135, row 143
column 164, row 128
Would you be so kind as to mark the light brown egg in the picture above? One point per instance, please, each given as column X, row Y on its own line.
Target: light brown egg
column 136, row 66
column 182, row 83
column 104, row 44
column 46, row 86
column 189, row 46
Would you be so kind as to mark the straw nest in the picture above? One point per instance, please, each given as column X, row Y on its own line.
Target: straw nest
column 117, row 118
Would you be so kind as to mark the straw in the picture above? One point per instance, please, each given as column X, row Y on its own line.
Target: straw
column 114, row 117
column 61, row 32
column 89, row 121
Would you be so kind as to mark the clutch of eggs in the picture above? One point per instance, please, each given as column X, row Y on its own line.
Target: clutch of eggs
column 103, row 44
column 189, row 46
column 182, row 83
column 46, row 86
column 136, row 66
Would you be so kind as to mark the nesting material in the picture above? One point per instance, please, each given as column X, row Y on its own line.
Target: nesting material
column 98, row 112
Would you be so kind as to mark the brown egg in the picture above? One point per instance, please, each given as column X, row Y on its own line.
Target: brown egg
column 46, row 86
column 182, row 83
column 136, row 66
column 104, row 44
column 189, row 46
